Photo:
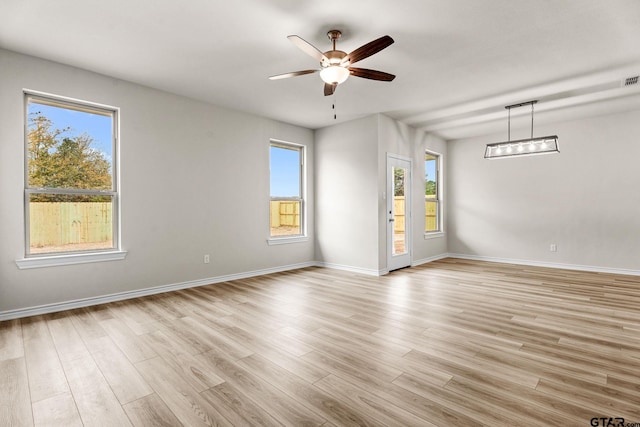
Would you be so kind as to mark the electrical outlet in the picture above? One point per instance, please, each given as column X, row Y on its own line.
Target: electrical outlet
column 553, row 247
column 207, row 260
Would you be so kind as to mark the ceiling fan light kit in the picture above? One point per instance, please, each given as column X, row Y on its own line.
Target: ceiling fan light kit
column 335, row 65
column 334, row 74
column 522, row 147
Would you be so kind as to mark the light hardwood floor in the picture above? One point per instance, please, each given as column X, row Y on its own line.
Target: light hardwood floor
column 450, row 343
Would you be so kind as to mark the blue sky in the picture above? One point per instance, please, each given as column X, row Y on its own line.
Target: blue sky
column 430, row 169
column 285, row 172
column 97, row 126
column 285, row 163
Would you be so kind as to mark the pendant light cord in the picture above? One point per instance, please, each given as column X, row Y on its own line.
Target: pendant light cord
column 532, row 120
column 509, row 126
column 522, row 104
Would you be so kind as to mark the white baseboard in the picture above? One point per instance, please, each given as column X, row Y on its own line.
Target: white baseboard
column 86, row 302
column 371, row 272
column 120, row 296
column 578, row 267
column 427, row 260
column 359, row 270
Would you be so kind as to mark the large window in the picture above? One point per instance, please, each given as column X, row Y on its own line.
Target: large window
column 432, row 198
column 71, row 193
column 286, row 217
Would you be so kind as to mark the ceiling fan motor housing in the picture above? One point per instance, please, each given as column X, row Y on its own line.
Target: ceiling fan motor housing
column 335, row 57
column 334, row 71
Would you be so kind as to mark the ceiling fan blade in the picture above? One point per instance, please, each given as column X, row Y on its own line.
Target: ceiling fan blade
column 371, row 74
column 309, row 49
column 367, row 50
column 329, row 88
column 292, row 74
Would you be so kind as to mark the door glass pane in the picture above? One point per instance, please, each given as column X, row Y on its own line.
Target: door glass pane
column 399, row 205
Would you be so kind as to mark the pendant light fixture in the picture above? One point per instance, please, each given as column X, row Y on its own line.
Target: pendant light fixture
column 522, row 147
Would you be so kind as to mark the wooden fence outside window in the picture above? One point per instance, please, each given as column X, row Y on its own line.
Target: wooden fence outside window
column 63, row 223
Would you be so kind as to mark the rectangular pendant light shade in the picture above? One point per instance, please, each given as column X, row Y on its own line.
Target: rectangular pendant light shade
column 523, row 147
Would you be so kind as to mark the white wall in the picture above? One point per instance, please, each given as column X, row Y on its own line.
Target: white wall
column 397, row 138
column 347, row 195
column 586, row 199
column 351, row 230
column 435, row 245
column 194, row 177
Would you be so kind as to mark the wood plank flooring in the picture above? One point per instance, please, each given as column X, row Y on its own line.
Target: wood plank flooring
column 453, row 342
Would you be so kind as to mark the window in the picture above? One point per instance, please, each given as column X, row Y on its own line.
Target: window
column 432, row 198
column 71, row 198
column 286, row 217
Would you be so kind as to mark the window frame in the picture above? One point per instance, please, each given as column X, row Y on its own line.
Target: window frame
column 46, row 259
column 276, row 240
column 439, row 231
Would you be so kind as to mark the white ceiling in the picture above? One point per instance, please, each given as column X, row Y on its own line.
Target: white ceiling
column 458, row 62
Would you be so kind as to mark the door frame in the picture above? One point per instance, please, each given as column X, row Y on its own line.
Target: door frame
column 395, row 262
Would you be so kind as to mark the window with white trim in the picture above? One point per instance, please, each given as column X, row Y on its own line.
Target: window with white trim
column 71, row 189
column 286, row 213
column 432, row 190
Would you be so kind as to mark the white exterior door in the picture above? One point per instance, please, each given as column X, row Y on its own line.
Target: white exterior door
column 398, row 212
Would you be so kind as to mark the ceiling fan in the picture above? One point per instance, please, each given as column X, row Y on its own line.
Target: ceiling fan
column 335, row 65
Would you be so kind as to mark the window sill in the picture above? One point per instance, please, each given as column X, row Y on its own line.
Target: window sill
column 284, row 240
column 70, row 259
column 433, row 235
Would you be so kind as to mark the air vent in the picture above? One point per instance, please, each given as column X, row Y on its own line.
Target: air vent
column 631, row 81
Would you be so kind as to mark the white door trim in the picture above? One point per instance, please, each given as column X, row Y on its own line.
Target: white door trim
column 397, row 261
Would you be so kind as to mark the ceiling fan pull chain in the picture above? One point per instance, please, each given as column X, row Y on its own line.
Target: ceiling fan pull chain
column 335, row 112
